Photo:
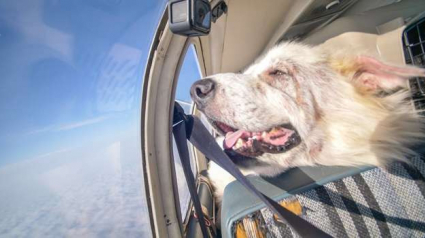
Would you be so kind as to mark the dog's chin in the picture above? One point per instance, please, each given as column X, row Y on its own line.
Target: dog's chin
column 244, row 145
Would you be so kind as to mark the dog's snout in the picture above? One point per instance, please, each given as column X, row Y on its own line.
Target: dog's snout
column 202, row 91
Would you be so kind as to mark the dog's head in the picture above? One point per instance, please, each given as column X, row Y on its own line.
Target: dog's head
column 270, row 107
column 275, row 104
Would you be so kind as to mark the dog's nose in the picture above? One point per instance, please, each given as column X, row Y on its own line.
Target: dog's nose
column 202, row 90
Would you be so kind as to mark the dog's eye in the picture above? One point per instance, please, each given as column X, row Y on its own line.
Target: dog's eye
column 276, row 72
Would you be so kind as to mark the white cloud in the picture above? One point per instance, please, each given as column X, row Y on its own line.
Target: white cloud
column 92, row 192
column 69, row 126
column 80, row 123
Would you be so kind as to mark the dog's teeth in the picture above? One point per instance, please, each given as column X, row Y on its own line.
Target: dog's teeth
column 239, row 143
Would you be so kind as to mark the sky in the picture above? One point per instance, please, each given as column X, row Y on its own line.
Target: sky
column 70, row 100
column 189, row 73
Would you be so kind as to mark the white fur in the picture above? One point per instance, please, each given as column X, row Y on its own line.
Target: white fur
column 340, row 121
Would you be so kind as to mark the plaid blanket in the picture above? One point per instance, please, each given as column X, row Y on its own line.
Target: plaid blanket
column 379, row 202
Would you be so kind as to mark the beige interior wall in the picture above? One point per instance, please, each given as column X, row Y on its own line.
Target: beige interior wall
column 250, row 23
column 387, row 46
column 239, row 36
column 252, row 26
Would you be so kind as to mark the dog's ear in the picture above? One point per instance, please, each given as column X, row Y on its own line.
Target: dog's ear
column 372, row 75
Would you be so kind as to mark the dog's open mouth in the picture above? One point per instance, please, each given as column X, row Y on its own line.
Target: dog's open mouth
column 278, row 139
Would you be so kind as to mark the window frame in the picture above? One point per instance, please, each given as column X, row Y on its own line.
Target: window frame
column 199, row 158
column 156, row 130
column 158, row 96
column 191, row 149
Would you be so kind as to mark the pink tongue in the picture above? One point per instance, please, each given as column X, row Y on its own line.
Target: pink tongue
column 232, row 137
column 278, row 136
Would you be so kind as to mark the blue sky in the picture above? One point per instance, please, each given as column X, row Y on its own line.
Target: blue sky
column 189, row 73
column 70, row 97
column 70, row 68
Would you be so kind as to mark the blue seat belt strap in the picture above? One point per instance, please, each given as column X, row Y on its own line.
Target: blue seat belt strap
column 179, row 131
column 202, row 139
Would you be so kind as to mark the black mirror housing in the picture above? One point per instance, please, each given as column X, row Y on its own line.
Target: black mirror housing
column 189, row 17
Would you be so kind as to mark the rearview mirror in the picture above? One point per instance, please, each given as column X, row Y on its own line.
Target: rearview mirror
column 189, row 17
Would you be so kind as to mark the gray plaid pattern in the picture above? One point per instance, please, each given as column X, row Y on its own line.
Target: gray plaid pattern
column 376, row 203
column 273, row 228
column 364, row 209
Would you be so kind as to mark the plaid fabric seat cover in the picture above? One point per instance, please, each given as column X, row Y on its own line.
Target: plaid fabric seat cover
column 376, row 203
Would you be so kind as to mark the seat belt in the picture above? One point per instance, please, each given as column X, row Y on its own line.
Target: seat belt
column 191, row 128
column 179, row 131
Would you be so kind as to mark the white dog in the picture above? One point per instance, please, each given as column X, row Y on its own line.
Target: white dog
column 301, row 105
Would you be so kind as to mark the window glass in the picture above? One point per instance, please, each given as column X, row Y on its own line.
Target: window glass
column 189, row 73
column 72, row 76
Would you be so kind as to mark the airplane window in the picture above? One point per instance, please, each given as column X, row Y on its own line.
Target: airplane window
column 189, row 73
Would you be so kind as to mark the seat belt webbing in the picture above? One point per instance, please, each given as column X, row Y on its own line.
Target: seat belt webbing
column 179, row 131
column 201, row 138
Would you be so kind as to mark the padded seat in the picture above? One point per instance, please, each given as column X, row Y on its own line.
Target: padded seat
column 342, row 201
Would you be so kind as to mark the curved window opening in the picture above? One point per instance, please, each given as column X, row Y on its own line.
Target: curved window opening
column 189, row 73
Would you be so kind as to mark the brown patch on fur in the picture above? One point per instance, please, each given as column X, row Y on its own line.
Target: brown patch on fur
column 350, row 69
column 346, row 66
column 267, row 78
column 316, row 149
column 259, row 87
column 298, row 93
column 317, row 111
column 291, row 69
